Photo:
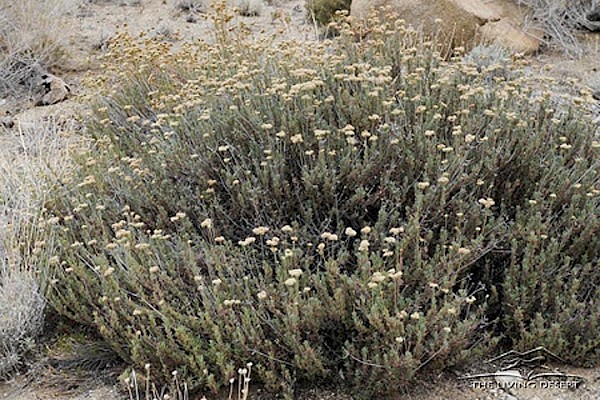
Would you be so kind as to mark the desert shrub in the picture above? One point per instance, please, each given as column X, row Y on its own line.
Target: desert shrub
column 244, row 7
column 323, row 11
column 191, row 5
column 31, row 41
column 248, row 7
column 27, row 160
column 21, row 318
column 487, row 56
column 357, row 213
column 560, row 20
column 550, row 286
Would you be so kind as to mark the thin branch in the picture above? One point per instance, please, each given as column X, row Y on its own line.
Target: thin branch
column 362, row 361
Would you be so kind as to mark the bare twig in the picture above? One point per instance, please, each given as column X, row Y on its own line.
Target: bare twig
column 370, row 364
column 560, row 20
column 525, row 353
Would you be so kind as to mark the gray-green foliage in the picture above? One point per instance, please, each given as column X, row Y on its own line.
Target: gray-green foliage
column 366, row 210
column 21, row 318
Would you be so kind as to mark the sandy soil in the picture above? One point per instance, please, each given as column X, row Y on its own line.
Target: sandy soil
column 88, row 28
column 443, row 388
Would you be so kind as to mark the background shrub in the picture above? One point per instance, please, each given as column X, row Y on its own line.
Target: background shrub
column 323, row 11
column 26, row 162
column 191, row 5
column 358, row 210
column 560, row 21
column 22, row 315
column 31, row 41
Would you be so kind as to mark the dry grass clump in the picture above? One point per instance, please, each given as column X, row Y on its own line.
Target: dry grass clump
column 119, row 2
column 31, row 41
column 248, row 8
column 21, row 316
column 143, row 388
column 356, row 213
column 560, row 20
column 26, row 162
column 192, row 5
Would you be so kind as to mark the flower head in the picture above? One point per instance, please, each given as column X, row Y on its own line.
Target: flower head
column 260, row 231
column 487, row 203
column 378, row 277
column 296, row 139
column 295, row 272
column 350, row 232
column 363, row 246
column 290, row 282
column 262, row 295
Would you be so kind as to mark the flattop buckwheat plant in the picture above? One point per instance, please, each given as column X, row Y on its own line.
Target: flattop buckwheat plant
column 363, row 210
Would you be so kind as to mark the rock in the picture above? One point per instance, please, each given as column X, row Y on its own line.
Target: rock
column 54, row 90
column 456, row 24
column 593, row 20
column 460, row 22
column 7, row 122
column 506, row 34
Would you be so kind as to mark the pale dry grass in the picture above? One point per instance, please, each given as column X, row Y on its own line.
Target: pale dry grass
column 21, row 317
column 245, row 7
column 191, row 5
column 30, row 160
column 248, row 7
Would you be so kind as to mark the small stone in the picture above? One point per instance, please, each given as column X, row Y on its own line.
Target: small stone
column 54, row 90
column 7, row 122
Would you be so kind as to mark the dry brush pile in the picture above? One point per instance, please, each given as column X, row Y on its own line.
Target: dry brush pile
column 561, row 20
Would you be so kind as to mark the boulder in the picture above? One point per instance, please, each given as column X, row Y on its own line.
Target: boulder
column 459, row 22
column 453, row 24
column 53, row 90
column 508, row 35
